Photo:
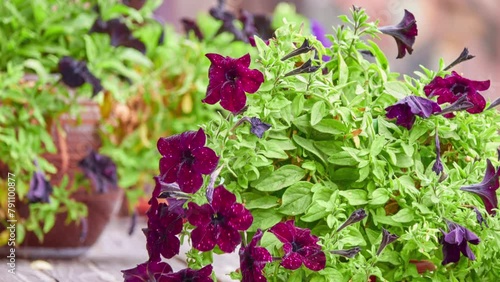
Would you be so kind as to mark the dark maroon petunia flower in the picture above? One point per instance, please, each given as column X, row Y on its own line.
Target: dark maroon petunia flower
column 438, row 165
column 455, row 242
column 190, row 25
column 229, row 80
column 136, row 4
column 486, row 190
column 406, row 109
column 452, row 87
column 189, row 275
column 40, row 188
column 75, row 73
column 119, row 33
column 146, row 272
column 387, row 238
column 300, row 246
column 185, row 159
column 253, row 259
column 101, row 170
column 356, row 216
column 218, row 223
column 404, row 33
column 164, row 223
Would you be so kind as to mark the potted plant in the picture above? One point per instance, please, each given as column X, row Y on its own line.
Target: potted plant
column 331, row 168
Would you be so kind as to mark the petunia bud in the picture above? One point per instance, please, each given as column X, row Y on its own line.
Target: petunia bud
column 356, row 216
column 304, row 48
column 349, row 253
column 464, row 56
column 387, row 238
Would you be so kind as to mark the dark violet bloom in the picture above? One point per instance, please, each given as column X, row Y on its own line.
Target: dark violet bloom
column 356, row 216
column 136, row 4
column 40, row 188
column 404, row 33
column 189, row 275
column 406, row 109
column 438, row 165
column 75, row 73
column 258, row 127
column 253, row 259
column 229, row 80
column 387, row 238
column 190, row 25
column 304, row 48
column 119, row 33
column 185, row 159
column 306, row 67
column 147, row 272
column 480, row 218
column 349, row 253
column 256, row 24
column 450, row 88
column 455, row 242
column 228, row 22
column 218, row 223
column 300, row 246
column 464, row 56
column 318, row 31
column 164, row 224
column 486, row 190
column 101, row 171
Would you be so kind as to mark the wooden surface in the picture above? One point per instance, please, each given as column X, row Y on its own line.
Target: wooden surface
column 114, row 251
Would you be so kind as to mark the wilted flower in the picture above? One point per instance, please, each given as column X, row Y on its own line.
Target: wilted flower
column 300, row 246
column 229, row 80
column 188, row 275
column 101, row 170
column 253, row 259
column 356, row 216
column 387, row 238
column 486, row 190
column 464, row 56
column 306, row 67
column 304, row 48
column 190, row 25
column 258, row 127
column 480, row 218
column 75, row 73
column 185, row 159
column 349, row 253
column 146, row 272
column 438, row 165
column 455, row 242
column 404, row 33
column 406, row 109
column 40, row 188
column 119, row 33
column 450, row 88
column 218, row 223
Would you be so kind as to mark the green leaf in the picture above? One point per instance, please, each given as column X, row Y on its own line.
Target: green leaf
column 296, row 198
column 355, row 197
column 50, row 220
column 317, row 112
column 264, row 219
column 90, row 48
column 397, row 89
column 403, row 215
column 331, row 126
column 343, row 70
column 259, row 201
column 379, row 197
column 308, row 145
column 281, row 178
column 342, row 158
column 377, row 146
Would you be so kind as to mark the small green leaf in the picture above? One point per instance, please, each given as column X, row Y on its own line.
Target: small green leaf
column 342, row 158
column 296, row 198
column 379, row 197
column 355, row 197
column 403, row 215
column 264, row 219
column 259, row 201
column 317, row 112
column 331, row 126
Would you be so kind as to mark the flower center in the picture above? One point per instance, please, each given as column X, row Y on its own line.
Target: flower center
column 187, row 156
column 295, row 246
column 217, row 218
column 459, row 89
column 232, row 74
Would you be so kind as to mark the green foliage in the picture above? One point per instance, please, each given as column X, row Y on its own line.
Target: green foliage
column 331, row 150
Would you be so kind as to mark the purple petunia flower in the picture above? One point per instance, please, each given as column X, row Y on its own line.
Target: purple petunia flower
column 480, row 218
column 189, row 275
column 164, row 223
column 119, row 34
column 455, row 242
column 387, row 238
column 40, row 188
column 136, row 4
column 258, row 127
column 190, row 25
column 404, row 33
column 185, row 159
column 218, row 223
column 318, row 31
column 229, row 80
column 486, row 190
column 253, row 259
column 406, row 109
column 300, row 247
column 75, row 73
column 438, row 165
column 148, row 271
column 101, row 170
column 452, row 87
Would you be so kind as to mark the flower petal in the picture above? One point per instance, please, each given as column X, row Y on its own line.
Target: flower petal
column 189, row 180
column 222, row 200
column 292, row 261
column 284, row 231
column 203, row 238
column 478, row 101
column 243, row 61
column 233, row 98
column 199, row 215
column 250, row 80
column 240, row 218
column 228, row 238
column 314, row 259
column 170, row 246
column 205, row 160
column 168, row 170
